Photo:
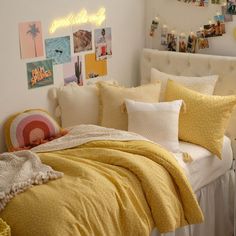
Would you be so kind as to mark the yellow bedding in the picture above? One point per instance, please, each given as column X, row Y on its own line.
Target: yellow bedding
column 110, row 188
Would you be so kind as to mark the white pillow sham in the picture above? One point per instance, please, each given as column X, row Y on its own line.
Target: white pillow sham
column 158, row 122
column 79, row 104
column 204, row 84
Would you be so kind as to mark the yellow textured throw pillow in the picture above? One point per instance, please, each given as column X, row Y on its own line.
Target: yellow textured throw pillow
column 205, row 119
column 112, row 102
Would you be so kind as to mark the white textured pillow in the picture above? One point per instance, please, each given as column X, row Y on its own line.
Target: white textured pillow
column 79, row 104
column 158, row 122
column 204, row 84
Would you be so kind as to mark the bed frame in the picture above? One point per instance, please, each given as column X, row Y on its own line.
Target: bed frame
column 217, row 198
column 195, row 65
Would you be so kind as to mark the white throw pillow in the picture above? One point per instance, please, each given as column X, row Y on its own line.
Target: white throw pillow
column 204, row 84
column 158, row 122
column 79, row 104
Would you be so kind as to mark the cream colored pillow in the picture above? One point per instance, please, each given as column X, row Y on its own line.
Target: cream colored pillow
column 78, row 104
column 204, row 84
column 112, row 104
column 205, row 119
column 158, row 122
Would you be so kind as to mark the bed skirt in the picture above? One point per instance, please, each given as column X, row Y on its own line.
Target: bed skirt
column 217, row 202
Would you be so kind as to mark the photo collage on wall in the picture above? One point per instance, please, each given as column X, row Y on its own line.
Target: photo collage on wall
column 197, row 40
column 83, row 62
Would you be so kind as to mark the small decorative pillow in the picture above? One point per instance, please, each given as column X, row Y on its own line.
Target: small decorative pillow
column 206, row 117
column 112, row 102
column 30, row 128
column 158, row 122
column 203, row 84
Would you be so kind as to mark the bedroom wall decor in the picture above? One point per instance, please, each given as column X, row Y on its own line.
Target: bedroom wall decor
column 206, row 24
column 58, row 49
column 94, row 68
column 72, row 72
column 40, row 73
column 103, row 45
column 82, row 17
column 31, row 40
column 123, row 66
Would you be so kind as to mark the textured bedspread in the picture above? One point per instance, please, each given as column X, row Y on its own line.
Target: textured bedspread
column 109, row 188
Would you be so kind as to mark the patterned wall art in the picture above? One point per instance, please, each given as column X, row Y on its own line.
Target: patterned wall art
column 94, row 68
column 82, row 40
column 73, row 71
column 58, row 49
column 31, row 41
column 103, row 43
column 39, row 73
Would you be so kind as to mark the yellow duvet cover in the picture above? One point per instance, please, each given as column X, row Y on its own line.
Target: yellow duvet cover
column 109, row 188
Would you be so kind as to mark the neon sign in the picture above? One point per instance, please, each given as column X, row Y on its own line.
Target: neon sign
column 78, row 19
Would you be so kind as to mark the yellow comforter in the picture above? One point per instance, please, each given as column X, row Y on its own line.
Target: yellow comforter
column 110, row 188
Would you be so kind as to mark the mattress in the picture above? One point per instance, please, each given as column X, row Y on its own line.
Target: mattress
column 205, row 166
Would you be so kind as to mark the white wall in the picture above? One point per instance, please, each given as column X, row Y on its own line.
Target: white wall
column 126, row 17
column 185, row 17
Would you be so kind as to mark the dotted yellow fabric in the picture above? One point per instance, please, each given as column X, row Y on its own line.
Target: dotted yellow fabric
column 112, row 98
column 206, row 117
column 4, row 228
column 109, row 188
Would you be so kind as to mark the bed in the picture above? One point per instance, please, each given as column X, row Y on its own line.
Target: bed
column 120, row 183
column 216, row 196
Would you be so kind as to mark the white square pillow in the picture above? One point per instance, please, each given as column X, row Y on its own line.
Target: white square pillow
column 158, row 122
column 204, row 84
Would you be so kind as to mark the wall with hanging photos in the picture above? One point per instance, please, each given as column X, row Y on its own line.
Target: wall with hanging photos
column 127, row 42
column 180, row 20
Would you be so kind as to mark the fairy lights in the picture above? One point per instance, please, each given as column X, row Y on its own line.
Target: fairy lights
column 78, row 19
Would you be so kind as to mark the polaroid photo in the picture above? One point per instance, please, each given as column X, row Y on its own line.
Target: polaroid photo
column 164, row 32
column 227, row 17
column 171, row 42
column 203, row 43
column 191, row 44
column 182, row 43
column 231, row 7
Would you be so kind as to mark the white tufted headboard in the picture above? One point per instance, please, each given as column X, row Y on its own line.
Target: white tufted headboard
column 195, row 65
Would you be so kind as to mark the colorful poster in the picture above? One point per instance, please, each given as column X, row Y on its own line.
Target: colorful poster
column 73, row 71
column 82, row 41
column 103, row 45
column 31, row 40
column 58, row 49
column 39, row 73
column 94, row 68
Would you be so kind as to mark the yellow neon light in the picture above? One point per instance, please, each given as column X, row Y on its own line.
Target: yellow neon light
column 77, row 19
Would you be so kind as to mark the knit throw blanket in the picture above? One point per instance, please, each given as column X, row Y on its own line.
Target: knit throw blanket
column 20, row 171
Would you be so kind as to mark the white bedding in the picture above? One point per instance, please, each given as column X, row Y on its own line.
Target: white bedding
column 205, row 167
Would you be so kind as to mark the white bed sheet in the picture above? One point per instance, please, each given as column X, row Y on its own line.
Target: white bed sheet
column 205, row 166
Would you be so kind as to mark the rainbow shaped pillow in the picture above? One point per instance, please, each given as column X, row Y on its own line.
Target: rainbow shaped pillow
column 30, row 128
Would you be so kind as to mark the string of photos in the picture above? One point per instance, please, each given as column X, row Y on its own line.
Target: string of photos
column 196, row 40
